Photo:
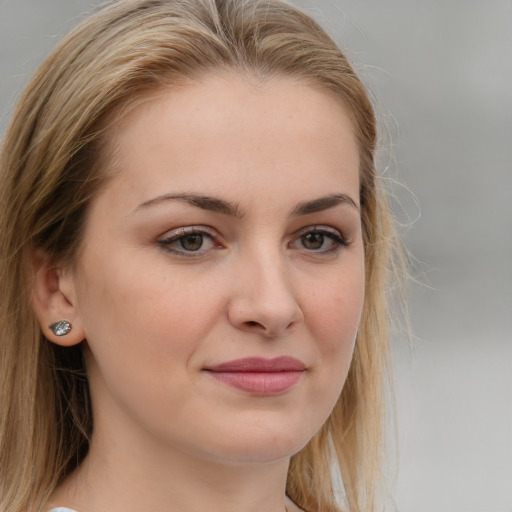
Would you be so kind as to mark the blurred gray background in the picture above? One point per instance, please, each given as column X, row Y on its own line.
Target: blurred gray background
column 441, row 73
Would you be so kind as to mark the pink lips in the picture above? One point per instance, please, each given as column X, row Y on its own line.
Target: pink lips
column 258, row 375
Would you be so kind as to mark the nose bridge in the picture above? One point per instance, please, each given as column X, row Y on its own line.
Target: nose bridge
column 266, row 298
column 270, row 278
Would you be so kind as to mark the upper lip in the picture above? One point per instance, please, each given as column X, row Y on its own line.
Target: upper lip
column 260, row 364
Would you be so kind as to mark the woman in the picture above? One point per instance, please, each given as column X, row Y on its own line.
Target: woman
column 195, row 251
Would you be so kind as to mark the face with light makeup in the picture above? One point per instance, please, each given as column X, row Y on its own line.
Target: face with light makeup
column 221, row 280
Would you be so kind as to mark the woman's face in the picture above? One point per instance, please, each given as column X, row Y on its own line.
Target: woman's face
column 221, row 281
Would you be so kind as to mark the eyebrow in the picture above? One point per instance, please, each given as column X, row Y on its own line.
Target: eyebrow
column 323, row 203
column 204, row 202
column 215, row 204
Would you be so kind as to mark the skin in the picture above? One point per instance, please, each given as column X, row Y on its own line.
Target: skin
column 167, row 435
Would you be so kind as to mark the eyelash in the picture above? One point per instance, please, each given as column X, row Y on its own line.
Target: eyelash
column 180, row 234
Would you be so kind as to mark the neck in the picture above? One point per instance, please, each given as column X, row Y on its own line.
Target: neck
column 119, row 475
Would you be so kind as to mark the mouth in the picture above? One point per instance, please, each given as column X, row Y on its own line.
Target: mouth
column 259, row 376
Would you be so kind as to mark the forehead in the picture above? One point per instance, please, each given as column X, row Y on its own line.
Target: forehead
column 226, row 128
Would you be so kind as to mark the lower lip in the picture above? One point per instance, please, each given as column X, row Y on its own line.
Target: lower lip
column 260, row 383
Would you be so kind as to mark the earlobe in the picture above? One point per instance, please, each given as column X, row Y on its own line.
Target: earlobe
column 54, row 302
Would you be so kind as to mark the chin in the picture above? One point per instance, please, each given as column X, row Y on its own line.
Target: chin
column 263, row 445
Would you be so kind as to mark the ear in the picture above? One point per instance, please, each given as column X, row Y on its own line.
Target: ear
column 54, row 299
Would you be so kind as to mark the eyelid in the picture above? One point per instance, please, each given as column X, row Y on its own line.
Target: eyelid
column 325, row 230
column 187, row 230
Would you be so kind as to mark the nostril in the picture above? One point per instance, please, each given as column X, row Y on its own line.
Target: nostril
column 252, row 323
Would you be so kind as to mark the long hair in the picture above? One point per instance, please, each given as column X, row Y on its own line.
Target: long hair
column 51, row 168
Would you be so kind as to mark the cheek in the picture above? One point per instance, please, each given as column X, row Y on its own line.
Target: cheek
column 142, row 309
column 333, row 317
column 334, row 312
column 144, row 326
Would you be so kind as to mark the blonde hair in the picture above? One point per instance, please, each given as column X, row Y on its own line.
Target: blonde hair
column 51, row 168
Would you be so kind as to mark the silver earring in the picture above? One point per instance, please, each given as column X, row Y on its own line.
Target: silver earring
column 60, row 328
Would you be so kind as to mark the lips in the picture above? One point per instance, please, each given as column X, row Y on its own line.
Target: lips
column 259, row 375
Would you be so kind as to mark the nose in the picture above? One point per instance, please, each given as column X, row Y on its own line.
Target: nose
column 264, row 299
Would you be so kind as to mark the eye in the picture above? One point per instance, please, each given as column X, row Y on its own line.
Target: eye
column 192, row 242
column 189, row 241
column 313, row 241
column 319, row 240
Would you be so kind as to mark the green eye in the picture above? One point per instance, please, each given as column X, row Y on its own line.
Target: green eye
column 192, row 242
column 313, row 241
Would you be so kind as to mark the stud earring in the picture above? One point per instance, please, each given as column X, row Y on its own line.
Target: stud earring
column 60, row 328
